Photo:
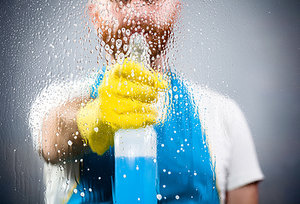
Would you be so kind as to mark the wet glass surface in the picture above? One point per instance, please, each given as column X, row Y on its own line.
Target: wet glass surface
column 244, row 50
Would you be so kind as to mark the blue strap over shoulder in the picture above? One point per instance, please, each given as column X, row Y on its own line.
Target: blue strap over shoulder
column 94, row 88
column 184, row 163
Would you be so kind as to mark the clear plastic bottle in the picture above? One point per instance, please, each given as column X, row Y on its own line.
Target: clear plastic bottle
column 135, row 150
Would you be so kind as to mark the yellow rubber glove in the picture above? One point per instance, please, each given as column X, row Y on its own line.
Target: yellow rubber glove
column 127, row 98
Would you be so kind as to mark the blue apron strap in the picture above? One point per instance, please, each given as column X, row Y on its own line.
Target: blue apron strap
column 184, row 162
column 94, row 88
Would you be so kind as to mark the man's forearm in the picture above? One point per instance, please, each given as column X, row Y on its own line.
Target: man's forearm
column 244, row 195
column 61, row 139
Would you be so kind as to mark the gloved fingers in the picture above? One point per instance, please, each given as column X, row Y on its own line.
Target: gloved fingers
column 135, row 108
column 137, row 72
column 129, row 89
column 121, row 105
column 133, row 120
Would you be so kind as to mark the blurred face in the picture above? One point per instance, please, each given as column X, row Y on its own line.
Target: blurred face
column 117, row 20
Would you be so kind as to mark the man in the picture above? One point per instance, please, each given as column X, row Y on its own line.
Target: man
column 205, row 149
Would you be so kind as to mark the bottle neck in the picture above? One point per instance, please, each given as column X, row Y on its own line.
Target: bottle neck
column 139, row 49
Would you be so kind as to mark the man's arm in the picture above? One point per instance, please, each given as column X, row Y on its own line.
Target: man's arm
column 61, row 139
column 244, row 169
column 52, row 119
column 247, row 194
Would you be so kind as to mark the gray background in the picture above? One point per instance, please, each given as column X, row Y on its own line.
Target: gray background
column 248, row 50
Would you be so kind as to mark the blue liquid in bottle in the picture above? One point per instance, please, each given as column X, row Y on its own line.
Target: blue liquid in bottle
column 135, row 166
column 135, row 180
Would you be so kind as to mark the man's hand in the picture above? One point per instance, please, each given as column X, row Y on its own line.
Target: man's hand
column 126, row 100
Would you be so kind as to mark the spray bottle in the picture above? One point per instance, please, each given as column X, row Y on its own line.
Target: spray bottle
column 135, row 149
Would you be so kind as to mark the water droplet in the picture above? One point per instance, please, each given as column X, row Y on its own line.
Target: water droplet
column 70, row 142
column 118, row 43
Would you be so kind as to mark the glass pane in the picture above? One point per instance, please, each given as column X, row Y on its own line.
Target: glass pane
column 147, row 101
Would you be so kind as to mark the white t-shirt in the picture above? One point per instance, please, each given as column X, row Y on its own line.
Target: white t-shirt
column 227, row 133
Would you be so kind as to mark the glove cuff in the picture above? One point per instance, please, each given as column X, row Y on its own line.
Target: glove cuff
column 97, row 134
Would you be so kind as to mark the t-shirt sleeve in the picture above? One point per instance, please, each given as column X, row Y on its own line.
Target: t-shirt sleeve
column 243, row 165
column 50, row 97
